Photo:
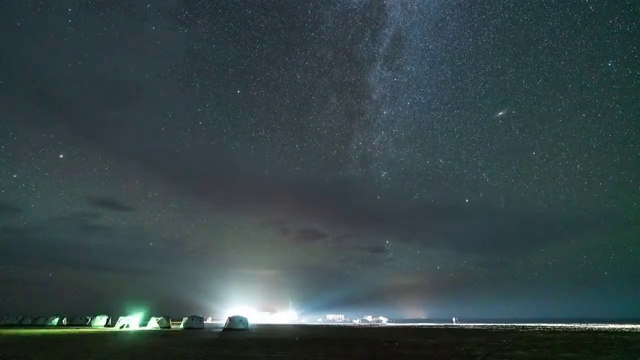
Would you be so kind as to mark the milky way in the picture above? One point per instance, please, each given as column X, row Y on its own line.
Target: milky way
column 420, row 158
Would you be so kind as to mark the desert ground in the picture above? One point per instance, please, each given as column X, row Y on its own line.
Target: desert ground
column 322, row 342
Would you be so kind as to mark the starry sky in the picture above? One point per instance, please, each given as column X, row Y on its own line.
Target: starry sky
column 413, row 158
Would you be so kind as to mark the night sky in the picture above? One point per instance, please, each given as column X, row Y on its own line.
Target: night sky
column 412, row 158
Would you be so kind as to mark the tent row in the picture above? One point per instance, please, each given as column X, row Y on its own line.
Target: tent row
column 123, row 322
column 46, row 321
column 102, row 321
column 136, row 322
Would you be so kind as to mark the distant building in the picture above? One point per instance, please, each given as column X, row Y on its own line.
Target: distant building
column 335, row 317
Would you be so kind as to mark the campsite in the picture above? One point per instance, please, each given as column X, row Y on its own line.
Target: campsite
column 320, row 342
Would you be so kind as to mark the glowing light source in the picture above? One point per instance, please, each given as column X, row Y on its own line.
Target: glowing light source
column 242, row 310
column 284, row 317
column 130, row 322
column 262, row 317
column 135, row 319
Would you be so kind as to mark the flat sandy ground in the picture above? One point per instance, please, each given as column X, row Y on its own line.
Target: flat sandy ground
column 320, row 342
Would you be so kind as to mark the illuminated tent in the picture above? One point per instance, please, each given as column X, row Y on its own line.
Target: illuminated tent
column 120, row 324
column 101, row 321
column 192, row 322
column 53, row 321
column 236, row 322
column 159, row 323
column 40, row 321
column 27, row 321
column 129, row 322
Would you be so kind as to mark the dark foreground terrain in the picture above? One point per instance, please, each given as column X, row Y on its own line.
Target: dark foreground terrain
column 321, row 342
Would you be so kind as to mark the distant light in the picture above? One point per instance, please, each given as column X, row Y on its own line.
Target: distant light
column 133, row 321
column 242, row 310
column 262, row 317
column 61, row 156
column 549, row 326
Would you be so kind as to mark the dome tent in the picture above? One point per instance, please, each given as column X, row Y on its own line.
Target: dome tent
column 159, row 323
column 101, row 321
column 192, row 322
column 129, row 322
column 236, row 322
column 53, row 321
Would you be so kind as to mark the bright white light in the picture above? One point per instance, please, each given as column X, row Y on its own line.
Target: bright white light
column 502, row 113
column 242, row 310
column 259, row 317
column 284, row 317
column 131, row 321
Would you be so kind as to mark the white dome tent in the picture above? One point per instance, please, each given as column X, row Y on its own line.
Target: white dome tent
column 159, row 323
column 130, row 322
column 236, row 322
column 192, row 322
column 101, row 321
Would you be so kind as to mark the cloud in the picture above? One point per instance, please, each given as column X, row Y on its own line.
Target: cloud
column 109, row 204
column 261, row 272
column 340, row 239
column 15, row 233
column 365, row 256
column 307, row 235
column 280, row 225
column 473, row 229
column 7, row 209
column 373, row 249
column 337, row 206
column 77, row 241
column 84, row 222
column 77, row 217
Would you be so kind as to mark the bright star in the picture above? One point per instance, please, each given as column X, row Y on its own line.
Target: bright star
column 502, row 113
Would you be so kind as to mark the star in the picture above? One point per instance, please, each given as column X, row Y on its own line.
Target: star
column 501, row 113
